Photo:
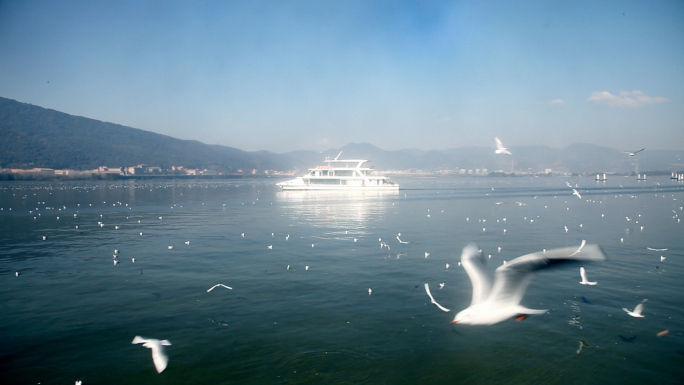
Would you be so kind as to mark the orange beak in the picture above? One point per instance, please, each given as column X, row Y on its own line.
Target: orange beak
column 520, row 317
column 453, row 322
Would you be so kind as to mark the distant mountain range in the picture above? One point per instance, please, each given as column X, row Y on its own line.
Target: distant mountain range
column 32, row 136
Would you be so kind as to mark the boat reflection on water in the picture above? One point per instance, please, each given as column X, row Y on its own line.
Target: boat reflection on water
column 347, row 210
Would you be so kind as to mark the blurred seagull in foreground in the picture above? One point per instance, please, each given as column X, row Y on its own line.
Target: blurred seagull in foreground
column 500, row 149
column 637, row 310
column 159, row 357
column 493, row 303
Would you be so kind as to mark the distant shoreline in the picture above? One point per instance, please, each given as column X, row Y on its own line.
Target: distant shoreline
column 30, row 177
column 25, row 176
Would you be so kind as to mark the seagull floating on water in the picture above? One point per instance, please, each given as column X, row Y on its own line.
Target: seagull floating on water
column 399, row 239
column 159, row 357
column 500, row 149
column 493, row 303
column 637, row 310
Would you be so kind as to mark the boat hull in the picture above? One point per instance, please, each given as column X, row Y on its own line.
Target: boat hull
column 340, row 188
column 301, row 184
column 340, row 175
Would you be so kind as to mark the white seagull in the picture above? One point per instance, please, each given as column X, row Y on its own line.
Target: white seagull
column 220, row 284
column 432, row 300
column 493, row 303
column 584, row 243
column 585, row 281
column 575, row 192
column 637, row 310
column 399, row 239
column 159, row 357
column 500, row 149
column 633, row 153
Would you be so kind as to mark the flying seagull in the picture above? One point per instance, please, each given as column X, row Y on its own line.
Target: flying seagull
column 585, row 281
column 493, row 303
column 159, row 357
column 432, row 299
column 633, row 153
column 217, row 285
column 637, row 310
column 500, row 149
column 575, row 192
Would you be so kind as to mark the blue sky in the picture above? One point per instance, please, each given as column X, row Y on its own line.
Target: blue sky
column 313, row 75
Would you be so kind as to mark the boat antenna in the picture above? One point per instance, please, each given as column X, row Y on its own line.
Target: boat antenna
column 338, row 155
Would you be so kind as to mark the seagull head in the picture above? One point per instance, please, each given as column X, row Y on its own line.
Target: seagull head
column 463, row 317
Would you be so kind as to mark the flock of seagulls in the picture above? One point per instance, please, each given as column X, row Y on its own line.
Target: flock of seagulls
column 495, row 298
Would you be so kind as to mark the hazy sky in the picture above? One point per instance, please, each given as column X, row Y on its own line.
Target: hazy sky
column 286, row 75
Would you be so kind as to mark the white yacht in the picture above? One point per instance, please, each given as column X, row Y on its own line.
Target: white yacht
column 340, row 174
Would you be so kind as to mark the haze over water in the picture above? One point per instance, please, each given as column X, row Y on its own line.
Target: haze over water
column 71, row 313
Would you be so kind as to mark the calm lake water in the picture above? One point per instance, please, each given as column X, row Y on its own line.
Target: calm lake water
column 72, row 313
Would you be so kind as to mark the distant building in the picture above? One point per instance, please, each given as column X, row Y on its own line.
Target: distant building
column 35, row 171
column 136, row 170
column 108, row 170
